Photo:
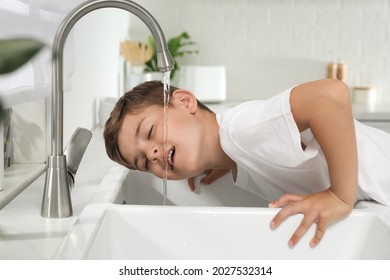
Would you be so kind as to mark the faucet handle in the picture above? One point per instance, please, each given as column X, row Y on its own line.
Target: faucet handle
column 75, row 150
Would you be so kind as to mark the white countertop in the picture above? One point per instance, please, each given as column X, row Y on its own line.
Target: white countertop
column 372, row 112
column 24, row 234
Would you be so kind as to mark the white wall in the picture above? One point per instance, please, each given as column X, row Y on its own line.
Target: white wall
column 270, row 45
column 265, row 45
column 95, row 46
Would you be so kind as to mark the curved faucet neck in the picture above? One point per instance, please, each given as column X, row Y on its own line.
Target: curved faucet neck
column 56, row 202
column 165, row 61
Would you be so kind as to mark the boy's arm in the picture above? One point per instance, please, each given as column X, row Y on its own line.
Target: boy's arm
column 210, row 176
column 325, row 107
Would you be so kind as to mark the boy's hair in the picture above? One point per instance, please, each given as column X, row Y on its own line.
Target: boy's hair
column 144, row 95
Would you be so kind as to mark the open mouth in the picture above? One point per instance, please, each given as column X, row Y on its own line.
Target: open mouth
column 170, row 157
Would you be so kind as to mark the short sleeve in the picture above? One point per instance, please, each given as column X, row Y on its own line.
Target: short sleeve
column 265, row 130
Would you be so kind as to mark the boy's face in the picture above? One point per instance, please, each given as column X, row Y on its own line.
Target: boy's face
column 140, row 139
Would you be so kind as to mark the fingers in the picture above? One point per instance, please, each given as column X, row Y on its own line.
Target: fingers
column 303, row 228
column 322, row 208
column 286, row 199
column 205, row 180
column 310, row 217
column 283, row 214
column 191, row 183
column 320, row 231
column 212, row 175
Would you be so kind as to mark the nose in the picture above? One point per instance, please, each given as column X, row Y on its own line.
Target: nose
column 153, row 153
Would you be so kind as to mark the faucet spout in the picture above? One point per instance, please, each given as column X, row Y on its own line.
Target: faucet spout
column 56, row 201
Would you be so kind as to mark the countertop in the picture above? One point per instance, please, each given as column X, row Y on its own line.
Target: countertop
column 373, row 112
column 24, row 234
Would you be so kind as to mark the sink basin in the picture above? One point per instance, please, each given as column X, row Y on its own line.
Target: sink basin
column 139, row 188
column 111, row 231
column 219, row 221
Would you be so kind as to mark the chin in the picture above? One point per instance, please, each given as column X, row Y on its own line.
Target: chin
column 189, row 169
column 194, row 173
column 182, row 175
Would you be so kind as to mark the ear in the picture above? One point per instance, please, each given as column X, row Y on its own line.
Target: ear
column 186, row 99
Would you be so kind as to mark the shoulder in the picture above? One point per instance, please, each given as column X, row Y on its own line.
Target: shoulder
column 259, row 127
column 327, row 89
column 253, row 112
column 306, row 100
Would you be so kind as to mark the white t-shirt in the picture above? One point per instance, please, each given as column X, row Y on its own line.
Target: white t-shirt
column 263, row 139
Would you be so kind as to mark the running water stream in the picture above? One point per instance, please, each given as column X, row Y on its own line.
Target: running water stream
column 167, row 85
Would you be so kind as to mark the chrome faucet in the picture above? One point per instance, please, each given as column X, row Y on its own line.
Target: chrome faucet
column 56, row 202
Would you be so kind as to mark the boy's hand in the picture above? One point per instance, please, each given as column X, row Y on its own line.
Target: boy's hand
column 321, row 208
column 211, row 175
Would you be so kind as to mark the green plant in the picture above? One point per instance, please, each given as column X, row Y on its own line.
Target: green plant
column 14, row 53
column 177, row 46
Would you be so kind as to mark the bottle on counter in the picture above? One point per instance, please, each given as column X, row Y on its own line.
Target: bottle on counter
column 341, row 71
column 331, row 71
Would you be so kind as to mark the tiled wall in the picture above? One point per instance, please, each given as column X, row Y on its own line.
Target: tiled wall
column 269, row 45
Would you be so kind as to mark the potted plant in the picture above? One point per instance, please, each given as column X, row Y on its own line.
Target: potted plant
column 177, row 46
column 14, row 53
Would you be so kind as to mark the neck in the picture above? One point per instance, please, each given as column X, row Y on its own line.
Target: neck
column 220, row 160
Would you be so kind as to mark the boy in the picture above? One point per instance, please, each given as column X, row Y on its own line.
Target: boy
column 298, row 149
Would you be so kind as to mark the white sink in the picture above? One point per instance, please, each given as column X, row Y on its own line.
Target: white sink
column 110, row 231
column 121, row 186
column 216, row 222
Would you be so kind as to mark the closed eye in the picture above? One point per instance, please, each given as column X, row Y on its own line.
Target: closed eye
column 150, row 132
column 146, row 164
column 146, row 167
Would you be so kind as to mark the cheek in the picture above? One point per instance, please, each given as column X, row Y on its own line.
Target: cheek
column 190, row 165
column 180, row 122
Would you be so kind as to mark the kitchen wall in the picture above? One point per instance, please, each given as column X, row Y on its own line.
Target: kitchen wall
column 269, row 45
column 94, row 45
column 265, row 45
